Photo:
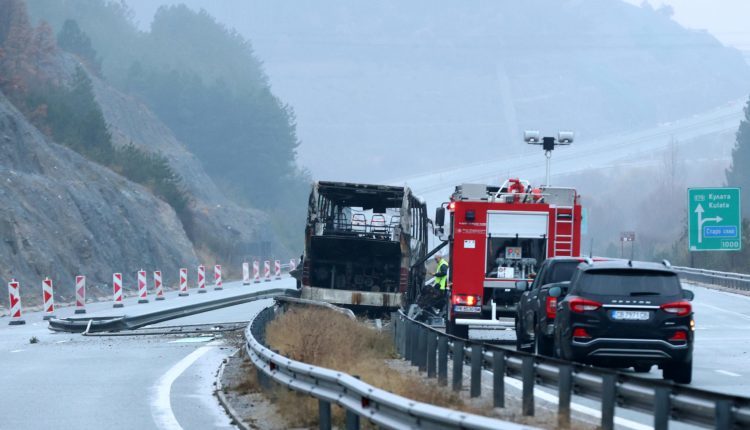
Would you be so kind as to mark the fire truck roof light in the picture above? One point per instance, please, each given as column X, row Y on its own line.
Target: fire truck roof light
column 565, row 137
column 532, row 136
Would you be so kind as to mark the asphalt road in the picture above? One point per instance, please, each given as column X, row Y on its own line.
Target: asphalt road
column 722, row 341
column 69, row 381
column 165, row 382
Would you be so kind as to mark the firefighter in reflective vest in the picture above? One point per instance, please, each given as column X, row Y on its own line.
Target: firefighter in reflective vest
column 441, row 273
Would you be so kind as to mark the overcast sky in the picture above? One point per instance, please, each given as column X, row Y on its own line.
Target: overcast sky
column 728, row 20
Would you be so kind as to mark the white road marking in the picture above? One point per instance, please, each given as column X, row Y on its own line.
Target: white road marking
column 726, row 372
column 63, row 341
column 194, row 339
column 161, row 405
column 18, row 350
column 551, row 398
column 747, row 317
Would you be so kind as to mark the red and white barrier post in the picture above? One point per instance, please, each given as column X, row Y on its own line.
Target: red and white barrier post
column 245, row 273
column 183, row 283
column 201, row 279
column 256, row 271
column 158, row 286
column 80, row 294
column 292, row 264
column 49, row 299
column 117, row 289
column 142, row 290
column 14, row 293
column 267, row 270
column 277, row 268
column 218, row 285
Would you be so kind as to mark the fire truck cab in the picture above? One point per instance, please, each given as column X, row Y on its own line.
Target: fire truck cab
column 498, row 237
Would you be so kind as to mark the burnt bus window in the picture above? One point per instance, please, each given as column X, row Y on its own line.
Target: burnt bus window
column 513, row 258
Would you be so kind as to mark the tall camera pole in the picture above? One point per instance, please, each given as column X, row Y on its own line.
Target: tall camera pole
column 533, row 137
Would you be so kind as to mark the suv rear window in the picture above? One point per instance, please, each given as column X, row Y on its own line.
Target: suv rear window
column 561, row 272
column 632, row 283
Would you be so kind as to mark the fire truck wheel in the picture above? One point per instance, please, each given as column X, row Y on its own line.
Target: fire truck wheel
column 454, row 329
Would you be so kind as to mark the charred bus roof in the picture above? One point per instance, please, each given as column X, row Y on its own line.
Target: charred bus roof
column 366, row 196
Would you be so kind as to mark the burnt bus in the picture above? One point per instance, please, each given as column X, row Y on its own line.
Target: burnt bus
column 360, row 244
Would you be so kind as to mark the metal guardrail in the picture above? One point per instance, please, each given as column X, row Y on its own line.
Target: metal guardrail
column 124, row 322
column 360, row 400
column 429, row 349
column 737, row 281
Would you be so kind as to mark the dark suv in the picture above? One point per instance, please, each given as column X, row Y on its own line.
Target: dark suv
column 535, row 313
column 626, row 314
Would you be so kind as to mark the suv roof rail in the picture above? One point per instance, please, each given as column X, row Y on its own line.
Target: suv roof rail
column 666, row 263
column 588, row 261
column 630, row 263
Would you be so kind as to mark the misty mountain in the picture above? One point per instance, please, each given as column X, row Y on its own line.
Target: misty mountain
column 194, row 90
column 396, row 87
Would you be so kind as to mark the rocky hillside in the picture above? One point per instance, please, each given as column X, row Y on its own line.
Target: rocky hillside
column 93, row 179
column 64, row 216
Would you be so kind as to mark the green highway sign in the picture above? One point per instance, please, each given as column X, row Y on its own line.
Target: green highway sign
column 714, row 219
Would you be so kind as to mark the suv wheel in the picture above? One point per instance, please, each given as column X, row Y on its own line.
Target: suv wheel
column 681, row 373
column 544, row 346
column 522, row 342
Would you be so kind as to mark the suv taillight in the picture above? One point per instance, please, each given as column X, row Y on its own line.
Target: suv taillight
column 462, row 299
column 551, row 307
column 580, row 305
column 679, row 336
column 680, row 309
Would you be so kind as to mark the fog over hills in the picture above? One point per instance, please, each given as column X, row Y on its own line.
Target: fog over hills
column 387, row 88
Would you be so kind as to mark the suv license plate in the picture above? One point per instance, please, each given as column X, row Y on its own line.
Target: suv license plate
column 467, row 309
column 630, row 315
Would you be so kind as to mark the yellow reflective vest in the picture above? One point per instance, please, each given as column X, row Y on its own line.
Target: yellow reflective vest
column 442, row 281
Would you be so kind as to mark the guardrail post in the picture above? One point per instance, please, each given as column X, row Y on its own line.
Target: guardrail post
column 404, row 335
column 396, row 334
column 476, row 370
column 352, row 420
column 527, row 395
column 404, row 325
column 324, row 415
column 458, row 364
column 564, row 392
column 443, row 360
column 662, row 406
column 422, row 348
column 410, row 341
column 609, row 396
column 431, row 351
column 498, row 378
column 723, row 415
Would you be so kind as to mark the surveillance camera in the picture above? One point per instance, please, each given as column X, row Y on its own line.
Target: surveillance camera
column 532, row 136
column 565, row 137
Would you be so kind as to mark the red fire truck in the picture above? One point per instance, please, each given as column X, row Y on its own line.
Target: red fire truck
column 497, row 237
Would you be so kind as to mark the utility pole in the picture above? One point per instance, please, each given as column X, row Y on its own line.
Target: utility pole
column 627, row 236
